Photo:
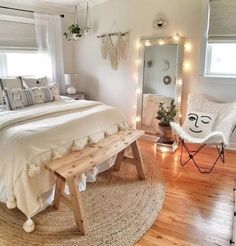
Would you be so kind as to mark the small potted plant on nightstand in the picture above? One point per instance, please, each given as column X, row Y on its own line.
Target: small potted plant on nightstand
column 166, row 115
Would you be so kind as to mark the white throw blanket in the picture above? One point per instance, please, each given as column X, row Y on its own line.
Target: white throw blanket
column 31, row 137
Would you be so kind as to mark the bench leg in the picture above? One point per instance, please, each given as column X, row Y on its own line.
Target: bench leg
column 119, row 160
column 138, row 159
column 77, row 205
column 60, row 186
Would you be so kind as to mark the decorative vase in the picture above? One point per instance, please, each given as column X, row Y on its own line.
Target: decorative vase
column 167, row 134
column 71, row 90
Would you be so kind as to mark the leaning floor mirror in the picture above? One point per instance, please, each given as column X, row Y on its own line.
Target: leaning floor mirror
column 161, row 86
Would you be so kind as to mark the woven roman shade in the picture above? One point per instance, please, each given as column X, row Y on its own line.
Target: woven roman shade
column 17, row 30
column 222, row 23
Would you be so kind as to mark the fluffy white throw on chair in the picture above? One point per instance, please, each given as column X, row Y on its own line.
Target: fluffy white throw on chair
column 222, row 127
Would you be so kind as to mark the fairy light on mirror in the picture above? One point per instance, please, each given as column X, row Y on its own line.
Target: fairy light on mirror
column 176, row 37
column 187, row 66
column 148, row 43
column 188, row 47
column 161, row 42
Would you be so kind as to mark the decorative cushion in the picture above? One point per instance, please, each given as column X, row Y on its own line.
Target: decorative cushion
column 15, row 99
column 20, row 98
column 33, row 82
column 10, row 83
column 199, row 124
column 47, row 94
column 1, row 97
column 55, row 92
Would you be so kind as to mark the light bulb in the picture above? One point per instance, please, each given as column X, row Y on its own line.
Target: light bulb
column 138, row 91
column 148, row 43
column 187, row 66
column 188, row 47
column 176, row 37
column 161, row 42
column 137, row 119
column 138, row 45
column 180, row 82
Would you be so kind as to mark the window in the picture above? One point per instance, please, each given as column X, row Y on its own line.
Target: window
column 221, row 40
column 221, row 59
column 27, row 64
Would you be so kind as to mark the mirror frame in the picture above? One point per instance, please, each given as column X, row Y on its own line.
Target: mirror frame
column 160, row 41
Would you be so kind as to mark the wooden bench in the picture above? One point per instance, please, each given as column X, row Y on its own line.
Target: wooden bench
column 69, row 168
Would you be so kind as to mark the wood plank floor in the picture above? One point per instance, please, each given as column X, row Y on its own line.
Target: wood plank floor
column 198, row 208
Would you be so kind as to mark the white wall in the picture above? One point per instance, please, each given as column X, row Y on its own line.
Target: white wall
column 118, row 87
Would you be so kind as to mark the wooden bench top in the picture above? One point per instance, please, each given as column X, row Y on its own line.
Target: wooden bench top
column 82, row 161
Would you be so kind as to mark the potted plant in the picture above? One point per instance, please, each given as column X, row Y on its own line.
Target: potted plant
column 167, row 115
column 74, row 32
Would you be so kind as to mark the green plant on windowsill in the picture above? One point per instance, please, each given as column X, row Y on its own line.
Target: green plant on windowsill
column 74, row 32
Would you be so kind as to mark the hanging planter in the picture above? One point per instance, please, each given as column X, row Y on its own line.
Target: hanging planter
column 74, row 31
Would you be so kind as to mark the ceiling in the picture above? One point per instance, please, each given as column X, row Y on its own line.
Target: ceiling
column 56, row 3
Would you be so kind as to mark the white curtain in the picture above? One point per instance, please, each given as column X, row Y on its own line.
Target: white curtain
column 49, row 40
column 3, row 65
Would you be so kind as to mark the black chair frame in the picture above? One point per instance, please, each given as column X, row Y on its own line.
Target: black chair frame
column 192, row 154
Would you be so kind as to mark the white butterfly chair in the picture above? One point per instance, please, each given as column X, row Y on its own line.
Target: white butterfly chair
column 207, row 124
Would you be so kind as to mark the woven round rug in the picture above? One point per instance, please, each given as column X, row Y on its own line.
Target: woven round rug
column 119, row 209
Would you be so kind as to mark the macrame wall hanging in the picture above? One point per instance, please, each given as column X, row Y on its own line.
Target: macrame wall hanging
column 112, row 51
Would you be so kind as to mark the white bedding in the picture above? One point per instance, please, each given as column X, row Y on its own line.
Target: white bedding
column 29, row 138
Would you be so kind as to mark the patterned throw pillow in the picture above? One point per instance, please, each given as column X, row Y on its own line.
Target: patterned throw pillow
column 199, row 124
column 33, row 82
column 55, row 92
column 47, row 94
column 11, row 83
column 19, row 98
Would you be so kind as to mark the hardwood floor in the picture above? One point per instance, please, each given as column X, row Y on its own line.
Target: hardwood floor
column 198, row 208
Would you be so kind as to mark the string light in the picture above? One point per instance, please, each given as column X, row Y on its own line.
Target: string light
column 188, row 47
column 187, row 66
column 180, row 82
column 161, row 42
column 179, row 99
column 148, row 43
column 138, row 44
column 138, row 61
column 176, row 37
column 138, row 119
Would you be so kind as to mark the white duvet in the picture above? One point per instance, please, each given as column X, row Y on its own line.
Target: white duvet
column 29, row 138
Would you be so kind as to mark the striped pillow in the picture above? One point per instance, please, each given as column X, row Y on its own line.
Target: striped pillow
column 19, row 98
column 47, row 94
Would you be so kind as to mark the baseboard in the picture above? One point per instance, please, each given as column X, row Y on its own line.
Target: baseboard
column 232, row 146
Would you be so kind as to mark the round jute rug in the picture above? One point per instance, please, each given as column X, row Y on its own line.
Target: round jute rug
column 119, row 209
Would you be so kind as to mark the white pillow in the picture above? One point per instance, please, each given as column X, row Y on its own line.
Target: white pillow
column 55, row 92
column 9, row 83
column 199, row 124
column 34, row 82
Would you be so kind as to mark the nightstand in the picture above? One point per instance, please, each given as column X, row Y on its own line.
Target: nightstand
column 77, row 96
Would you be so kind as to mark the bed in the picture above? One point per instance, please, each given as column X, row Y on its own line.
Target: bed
column 31, row 137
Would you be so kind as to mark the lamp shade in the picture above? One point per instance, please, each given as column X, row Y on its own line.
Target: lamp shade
column 71, row 79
